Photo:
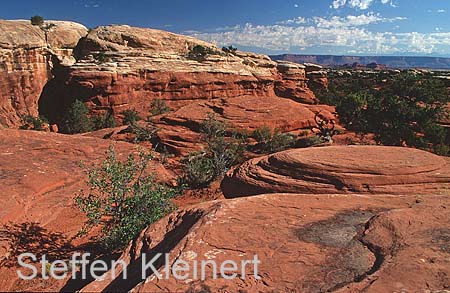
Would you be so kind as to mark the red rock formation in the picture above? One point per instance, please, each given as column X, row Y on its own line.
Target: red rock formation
column 179, row 129
column 317, row 77
column 294, row 83
column 342, row 169
column 26, row 62
column 122, row 67
column 305, row 243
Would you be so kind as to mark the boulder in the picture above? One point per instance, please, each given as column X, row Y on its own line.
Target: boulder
column 341, row 169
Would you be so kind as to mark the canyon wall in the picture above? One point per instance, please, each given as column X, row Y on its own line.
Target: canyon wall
column 115, row 68
column 26, row 61
column 123, row 67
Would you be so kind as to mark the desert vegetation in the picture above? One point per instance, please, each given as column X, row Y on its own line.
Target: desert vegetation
column 271, row 141
column 31, row 122
column 39, row 21
column 130, row 116
column 221, row 153
column 400, row 109
column 199, row 52
column 76, row 119
column 158, row 107
column 229, row 49
column 122, row 199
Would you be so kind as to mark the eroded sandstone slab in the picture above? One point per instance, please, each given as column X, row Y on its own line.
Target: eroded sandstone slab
column 306, row 243
column 342, row 169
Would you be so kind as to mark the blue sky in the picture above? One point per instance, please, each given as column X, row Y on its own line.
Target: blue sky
column 352, row 27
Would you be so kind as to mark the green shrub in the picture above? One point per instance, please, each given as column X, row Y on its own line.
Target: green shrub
column 211, row 128
column 271, row 142
column 309, row 141
column 199, row 52
column 34, row 123
column 263, row 134
column 122, row 199
column 105, row 121
column 229, row 49
column 158, row 107
column 401, row 109
column 198, row 170
column 37, row 20
column 130, row 116
column 220, row 155
column 76, row 119
column 147, row 133
column 442, row 150
column 101, row 57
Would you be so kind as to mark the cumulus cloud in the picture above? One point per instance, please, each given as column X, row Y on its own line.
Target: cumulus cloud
column 359, row 4
column 337, row 35
column 353, row 20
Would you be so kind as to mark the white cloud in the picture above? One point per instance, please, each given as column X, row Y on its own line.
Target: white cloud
column 297, row 20
column 441, row 11
column 338, row 35
column 353, row 20
column 359, row 4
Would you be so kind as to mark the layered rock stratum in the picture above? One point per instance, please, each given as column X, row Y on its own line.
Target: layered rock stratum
column 123, row 67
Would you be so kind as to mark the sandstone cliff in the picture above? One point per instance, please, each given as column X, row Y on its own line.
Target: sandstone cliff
column 123, row 67
column 26, row 62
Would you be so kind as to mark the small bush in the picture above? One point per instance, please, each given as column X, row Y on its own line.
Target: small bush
column 130, row 117
column 102, row 58
column 105, row 121
column 37, row 20
column 76, row 119
column 442, row 150
column 220, row 155
column 200, row 52
column 211, row 128
column 271, row 142
column 34, row 123
column 262, row 134
column 198, row 170
column 229, row 49
column 158, row 107
column 147, row 133
column 122, row 200
column 309, row 141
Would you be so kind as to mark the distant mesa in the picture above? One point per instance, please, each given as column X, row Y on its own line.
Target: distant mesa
column 374, row 62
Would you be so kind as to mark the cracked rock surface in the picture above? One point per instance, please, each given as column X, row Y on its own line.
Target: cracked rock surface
column 306, row 243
